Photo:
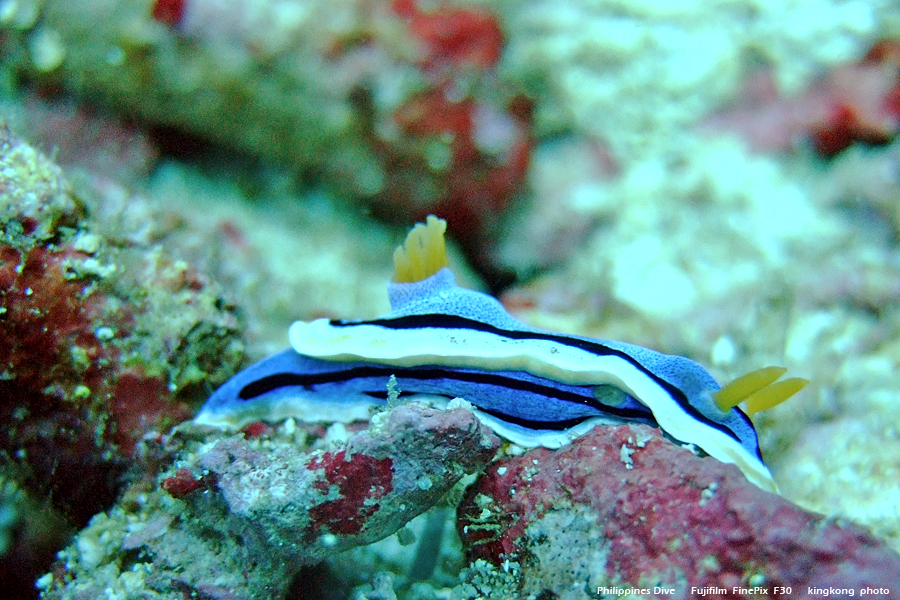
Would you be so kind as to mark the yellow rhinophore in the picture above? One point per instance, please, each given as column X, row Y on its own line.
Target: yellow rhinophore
column 759, row 390
column 423, row 253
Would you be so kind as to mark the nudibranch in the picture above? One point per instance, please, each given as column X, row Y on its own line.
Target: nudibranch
column 533, row 387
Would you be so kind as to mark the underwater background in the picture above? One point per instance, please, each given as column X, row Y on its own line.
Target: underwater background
column 182, row 179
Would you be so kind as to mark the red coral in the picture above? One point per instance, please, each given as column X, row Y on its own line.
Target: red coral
column 454, row 35
column 49, row 352
column 460, row 150
column 475, row 158
column 182, row 483
column 47, row 320
column 72, row 414
column 853, row 103
column 842, row 128
column 866, row 102
column 359, row 482
column 170, row 12
column 142, row 404
column 256, row 429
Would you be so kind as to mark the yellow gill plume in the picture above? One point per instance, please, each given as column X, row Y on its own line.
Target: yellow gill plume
column 423, row 253
column 759, row 390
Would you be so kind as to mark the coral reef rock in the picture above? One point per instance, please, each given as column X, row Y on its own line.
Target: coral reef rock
column 622, row 507
column 256, row 512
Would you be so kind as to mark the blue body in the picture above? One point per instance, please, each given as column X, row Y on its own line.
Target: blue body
column 514, row 397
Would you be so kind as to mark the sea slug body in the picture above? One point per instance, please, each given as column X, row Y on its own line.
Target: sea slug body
column 533, row 387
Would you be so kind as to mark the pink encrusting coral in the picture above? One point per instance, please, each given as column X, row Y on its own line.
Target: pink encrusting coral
column 624, row 506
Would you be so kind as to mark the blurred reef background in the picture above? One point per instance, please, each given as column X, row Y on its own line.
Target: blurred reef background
column 182, row 179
